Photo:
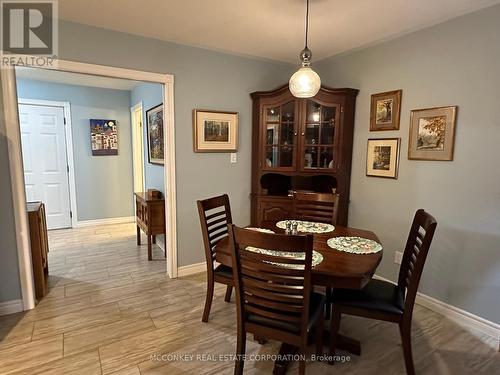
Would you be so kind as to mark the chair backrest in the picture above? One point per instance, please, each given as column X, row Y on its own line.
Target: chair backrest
column 322, row 207
column 415, row 253
column 215, row 215
column 272, row 286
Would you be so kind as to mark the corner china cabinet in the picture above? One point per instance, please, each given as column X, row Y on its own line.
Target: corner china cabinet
column 300, row 145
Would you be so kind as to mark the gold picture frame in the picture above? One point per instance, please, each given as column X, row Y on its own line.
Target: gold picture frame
column 382, row 157
column 385, row 110
column 215, row 131
column 432, row 133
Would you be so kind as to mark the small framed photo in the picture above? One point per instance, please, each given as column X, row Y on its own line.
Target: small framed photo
column 103, row 137
column 156, row 149
column 215, row 131
column 432, row 133
column 382, row 158
column 385, row 110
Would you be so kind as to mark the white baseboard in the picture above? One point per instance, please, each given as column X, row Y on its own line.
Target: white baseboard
column 11, row 307
column 472, row 323
column 112, row 220
column 192, row 269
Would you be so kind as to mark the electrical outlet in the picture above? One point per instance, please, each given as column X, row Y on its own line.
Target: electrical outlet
column 398, row 257
column 234, row 157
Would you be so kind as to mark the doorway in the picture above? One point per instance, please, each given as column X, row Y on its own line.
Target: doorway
column 138, row 147
column 47, row 151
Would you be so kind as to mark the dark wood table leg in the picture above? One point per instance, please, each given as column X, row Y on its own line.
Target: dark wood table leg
column 150, row 248
column 138, row 236
column 287, row 351
column 154, row 239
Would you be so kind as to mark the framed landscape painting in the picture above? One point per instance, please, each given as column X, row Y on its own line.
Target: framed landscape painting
column 215, row 131
column 432, row 133
column 103, row 137
column 385, row 110
column 382, row 157
column 156, row 149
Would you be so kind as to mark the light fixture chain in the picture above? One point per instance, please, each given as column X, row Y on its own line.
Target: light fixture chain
column 307, row 20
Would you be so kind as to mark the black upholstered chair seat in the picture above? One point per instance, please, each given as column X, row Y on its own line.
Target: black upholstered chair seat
column 377, row 295
column 224, row 271
column 316, row 303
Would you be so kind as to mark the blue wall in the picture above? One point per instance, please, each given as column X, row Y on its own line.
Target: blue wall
column 104, row 184
column 150, row 94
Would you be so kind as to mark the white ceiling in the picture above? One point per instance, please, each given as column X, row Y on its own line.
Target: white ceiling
column 75, row 78
column 271, row 29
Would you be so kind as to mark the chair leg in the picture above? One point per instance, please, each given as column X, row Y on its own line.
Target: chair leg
column 240, row 352
column 319, row 334
column 328, row 303
column 208, row 300
column 335, row 326
column 227, row 297
column 302, row 367
column 405, row 330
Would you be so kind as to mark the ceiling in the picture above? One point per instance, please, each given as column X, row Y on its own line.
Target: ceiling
column 75, row 78
column 270, row 29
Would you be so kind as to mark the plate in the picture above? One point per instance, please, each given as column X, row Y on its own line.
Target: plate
column 317, row 257
column 262, row 230
column 355, row 245
column 308, row 226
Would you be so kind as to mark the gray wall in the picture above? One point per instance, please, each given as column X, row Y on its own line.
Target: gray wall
column 104, row 184
column 455, row 63
column 10, row 287
column 150, row 94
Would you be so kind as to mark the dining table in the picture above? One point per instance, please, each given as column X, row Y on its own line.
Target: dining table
column 338, row 269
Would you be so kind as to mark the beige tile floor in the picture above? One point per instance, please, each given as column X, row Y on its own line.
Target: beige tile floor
column 109, row 310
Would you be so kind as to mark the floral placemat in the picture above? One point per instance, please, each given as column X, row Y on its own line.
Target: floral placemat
column 308, row 226
column 355, row 245
column 317, row 257
column 263, row 230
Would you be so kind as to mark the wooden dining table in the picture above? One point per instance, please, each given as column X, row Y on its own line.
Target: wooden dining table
column 338, row 269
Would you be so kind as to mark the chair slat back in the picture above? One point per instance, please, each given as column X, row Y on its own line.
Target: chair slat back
column 215, row 215
column 321, row 207
column 415, row 253
column 274, row 286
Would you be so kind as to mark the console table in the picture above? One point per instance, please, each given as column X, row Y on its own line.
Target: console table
column 150, row 217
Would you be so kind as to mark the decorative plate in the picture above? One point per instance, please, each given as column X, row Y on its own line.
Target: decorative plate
column 317, row 257
column 355, row 245
column 308, row 226
column 263, row 230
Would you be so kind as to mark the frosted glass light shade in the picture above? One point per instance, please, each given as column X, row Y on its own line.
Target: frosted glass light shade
column 304, row 83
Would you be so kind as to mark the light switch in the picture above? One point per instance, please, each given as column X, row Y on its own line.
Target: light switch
column 234, row 157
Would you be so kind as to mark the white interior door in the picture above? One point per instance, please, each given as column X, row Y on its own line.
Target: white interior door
column 45, row 161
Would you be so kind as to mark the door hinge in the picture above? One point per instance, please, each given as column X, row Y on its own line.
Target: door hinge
column 67, row 168
column 64, row 120
column 71, row 214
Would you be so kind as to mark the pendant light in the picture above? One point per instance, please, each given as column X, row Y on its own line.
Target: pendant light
column 305, row 82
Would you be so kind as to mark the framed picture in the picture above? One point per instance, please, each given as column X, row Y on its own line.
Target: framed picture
column 103, row 137
column 385, row 111
column 432, row 133
column 382, row 158
column 156, row 149
column 215, row 131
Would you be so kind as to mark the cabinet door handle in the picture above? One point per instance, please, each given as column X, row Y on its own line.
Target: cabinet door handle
column 295, row 134
column 302, row 133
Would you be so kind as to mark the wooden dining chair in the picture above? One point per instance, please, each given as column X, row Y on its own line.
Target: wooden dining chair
column 322, row 207
column 383, row 300
column 274, row 299
column 215, row 215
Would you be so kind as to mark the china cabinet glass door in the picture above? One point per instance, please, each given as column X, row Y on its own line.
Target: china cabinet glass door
column 280, row 136
column 319, row 136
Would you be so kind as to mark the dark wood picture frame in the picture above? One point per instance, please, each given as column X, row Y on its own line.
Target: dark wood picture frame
column 229, row 145
column 161, row 137
column 393, row 124
column 393, row 170
column 448, row 142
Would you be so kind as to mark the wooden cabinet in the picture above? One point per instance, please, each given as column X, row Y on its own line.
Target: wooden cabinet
column 300, row 144
column 39, row 247
column 150, row 217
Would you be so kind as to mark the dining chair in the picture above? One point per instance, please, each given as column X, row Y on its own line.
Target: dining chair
column 322, row 207
column 274, row 298
column 386, row 301
column 215, row 215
